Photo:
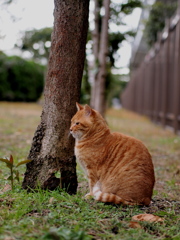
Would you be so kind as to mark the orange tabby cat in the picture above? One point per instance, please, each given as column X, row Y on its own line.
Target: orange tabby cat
column 119, row 168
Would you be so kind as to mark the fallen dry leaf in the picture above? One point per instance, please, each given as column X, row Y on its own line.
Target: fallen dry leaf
column 134, row 224
column 147, row 218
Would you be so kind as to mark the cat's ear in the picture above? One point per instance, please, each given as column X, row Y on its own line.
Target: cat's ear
column 88, row 110
column 79, row 107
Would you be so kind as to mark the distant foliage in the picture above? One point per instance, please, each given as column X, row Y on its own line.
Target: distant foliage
column 20, row 80
column 85, row 85
column 114, row 87
column 37, row 42
column 156, row 22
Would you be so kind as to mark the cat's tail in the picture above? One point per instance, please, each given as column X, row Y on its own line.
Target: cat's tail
column 110, row 197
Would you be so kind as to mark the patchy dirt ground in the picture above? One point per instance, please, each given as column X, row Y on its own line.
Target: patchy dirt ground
column 18, row 123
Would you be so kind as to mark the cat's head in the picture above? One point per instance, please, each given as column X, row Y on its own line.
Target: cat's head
column 84, row 121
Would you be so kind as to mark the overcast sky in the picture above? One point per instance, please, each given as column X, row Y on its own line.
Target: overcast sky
column 24, row 15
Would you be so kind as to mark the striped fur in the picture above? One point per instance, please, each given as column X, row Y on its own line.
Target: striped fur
column 119, row 168
column 109, row 197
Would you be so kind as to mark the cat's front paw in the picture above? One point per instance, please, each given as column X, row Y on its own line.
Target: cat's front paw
column 89, row 196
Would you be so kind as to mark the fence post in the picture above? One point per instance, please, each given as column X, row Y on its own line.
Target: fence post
column 157, row 82
column 142, row 78
column 165, row 73
column 176, row 100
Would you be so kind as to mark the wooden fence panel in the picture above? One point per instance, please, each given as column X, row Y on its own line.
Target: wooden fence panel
column 170, row 115
column 166, row 83
column 154, row 88
column 176, row 100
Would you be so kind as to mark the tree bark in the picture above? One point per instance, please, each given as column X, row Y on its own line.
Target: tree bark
column 98, row 90
column 96, row 42
column 52, row 149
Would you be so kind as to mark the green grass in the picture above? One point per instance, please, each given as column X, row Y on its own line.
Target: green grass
column 57, row 215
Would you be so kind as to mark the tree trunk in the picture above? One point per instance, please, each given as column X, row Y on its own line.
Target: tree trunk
column 52, row 149
column 96, row 40
column 100, row 79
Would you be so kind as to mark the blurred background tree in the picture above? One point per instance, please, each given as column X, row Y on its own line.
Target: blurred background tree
column 105, row 52
column 37, row 44
column 160, row 11
column 114, row 87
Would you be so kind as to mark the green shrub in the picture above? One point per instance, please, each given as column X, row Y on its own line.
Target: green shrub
column 156, row 22
column 20, row 80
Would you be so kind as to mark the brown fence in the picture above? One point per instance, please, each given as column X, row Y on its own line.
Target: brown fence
column 154, row 88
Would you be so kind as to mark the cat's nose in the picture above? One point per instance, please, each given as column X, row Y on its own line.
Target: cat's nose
column 70, row 129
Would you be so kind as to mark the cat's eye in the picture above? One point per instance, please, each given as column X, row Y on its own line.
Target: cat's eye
column 77, row 123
